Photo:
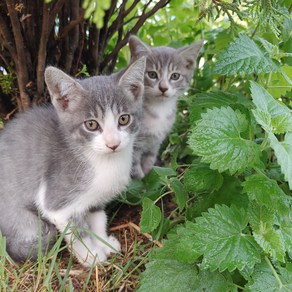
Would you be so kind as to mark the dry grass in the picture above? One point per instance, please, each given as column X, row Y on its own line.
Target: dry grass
column 60, row 272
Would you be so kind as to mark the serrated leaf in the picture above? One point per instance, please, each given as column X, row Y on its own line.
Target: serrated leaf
column 285, row 225
column 283, row 152
column 270, row 114
column 221, row 239
column 266, row 192
column 279, row 85
column 264, row 280
column 269, row 239
column 179, row 246
column 164, row 171
column 267, row 46
column 181, row 195
column 208, row 100
column 215, row 282
column 151, row 216
column 200, row 178
column 168, row 275
column 287, row 28
column 217, row 138
column 244, row 56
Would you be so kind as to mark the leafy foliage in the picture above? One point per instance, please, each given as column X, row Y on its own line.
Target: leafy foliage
column 244, row 56
column 222, row 202
column 217, row 138
column 230, row 225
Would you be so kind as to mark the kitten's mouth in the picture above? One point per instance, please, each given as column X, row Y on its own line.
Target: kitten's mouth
column 163, row 95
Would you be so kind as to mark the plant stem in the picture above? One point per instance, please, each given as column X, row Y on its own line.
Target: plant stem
column 274, row 273
column 265, row 142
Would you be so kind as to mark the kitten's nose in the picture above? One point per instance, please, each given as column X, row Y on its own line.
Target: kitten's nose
column 113, row 146
column 163, row 88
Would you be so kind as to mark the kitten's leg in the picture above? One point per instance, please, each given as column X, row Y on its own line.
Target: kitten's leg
column 80, row 239
column 23, row 233
column 147, row 162
column 149, row 156
column 136, row 171
column 98, row 225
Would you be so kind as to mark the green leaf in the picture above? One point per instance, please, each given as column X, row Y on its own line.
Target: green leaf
column 270, row 114
column 151, row 216
column 158, row 176
column 179, row 246
column 285, row 224
column 243, row 56
column 220, row 238
column 217, row 138
column 202, row 101
column 268, row 279
column 200, row 178
column 266, row 192
column 215, row 282
column 96, row 9
column 164, row 171
column 269, row 239
column 279, row 85
column 168, row 275
column 283, row 151
column 181, row 195
column 287, row 28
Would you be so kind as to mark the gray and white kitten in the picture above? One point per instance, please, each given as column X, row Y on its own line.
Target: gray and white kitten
column 167, row 76
column 61, row 164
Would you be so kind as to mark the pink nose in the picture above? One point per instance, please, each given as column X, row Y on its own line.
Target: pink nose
column 113, row 147
column 163, row 89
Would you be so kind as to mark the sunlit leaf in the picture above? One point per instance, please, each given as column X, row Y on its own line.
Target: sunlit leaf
column 244, row 56
column 222, row 242
column 266, row 235
column 217, row 137
column 270, row 114
column 151, row 216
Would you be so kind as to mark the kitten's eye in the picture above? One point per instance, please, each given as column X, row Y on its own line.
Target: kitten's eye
column 175, row 76
column 92, row 125
column 124, row 120
column 152, row 75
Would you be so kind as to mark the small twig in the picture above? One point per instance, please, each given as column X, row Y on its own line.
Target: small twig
column 137, row 228
column 122, row 288
column 7, row 117
column 63, row 272
column 98, row 289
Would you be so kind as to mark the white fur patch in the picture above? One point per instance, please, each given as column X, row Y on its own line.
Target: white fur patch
column 163, row 110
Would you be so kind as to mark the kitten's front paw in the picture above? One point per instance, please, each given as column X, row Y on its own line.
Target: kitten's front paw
column 113, row 246
column 91, row 258
column 137, row 172
column 148, row 162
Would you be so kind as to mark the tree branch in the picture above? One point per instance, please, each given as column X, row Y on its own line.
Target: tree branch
column 110, row 57
column 21, row 67
column 7, row 39
column 42, row 52
column 74, row 33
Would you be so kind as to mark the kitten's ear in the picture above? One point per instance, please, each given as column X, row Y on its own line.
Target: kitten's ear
column 132, row 81
column 138, row 48
column 190, row 53
column 65, row 91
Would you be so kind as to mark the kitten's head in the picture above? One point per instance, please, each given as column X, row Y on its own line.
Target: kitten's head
column 101, row 113
column 168, row 70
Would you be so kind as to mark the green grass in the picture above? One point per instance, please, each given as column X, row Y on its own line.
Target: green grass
column 59, row 271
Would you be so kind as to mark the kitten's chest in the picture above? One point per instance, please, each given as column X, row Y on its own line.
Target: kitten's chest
column 158, row 118
column 110, row 177
column 107, row 177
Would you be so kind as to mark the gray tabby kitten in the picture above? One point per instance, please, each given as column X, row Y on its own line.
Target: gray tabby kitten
column 61, row 164
column 167, row 76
